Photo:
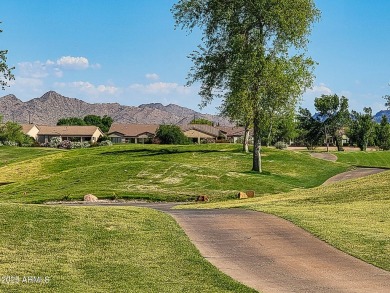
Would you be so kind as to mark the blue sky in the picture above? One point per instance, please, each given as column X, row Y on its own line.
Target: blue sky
column 127, row 51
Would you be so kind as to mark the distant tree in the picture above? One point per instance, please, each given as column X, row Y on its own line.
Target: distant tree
column 239, row 111
column 11, row 131
column 171, row 134
column 201, row 121
column 387, row 98
column 334, row 115
column 103, row 123
column 93, row 120
column 310, row 131
column 362, row 128
column 285, row 128
column 106, row 123
column 71, row 121
column 383, row 134
column 5, row 71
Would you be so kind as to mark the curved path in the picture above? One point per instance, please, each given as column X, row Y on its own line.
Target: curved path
column 353, row 174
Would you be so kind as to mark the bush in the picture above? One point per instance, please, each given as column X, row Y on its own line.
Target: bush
column 10, row 143
column 54, row 142
column 171, row 134
column 65, row 144
column 281, row 145
column 1, row 144
column 105, row 143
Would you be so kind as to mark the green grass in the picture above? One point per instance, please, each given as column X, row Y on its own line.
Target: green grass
column 159, row 173
column 352, row 215
column 10, row 155
column 98, row 249
column 365, row 159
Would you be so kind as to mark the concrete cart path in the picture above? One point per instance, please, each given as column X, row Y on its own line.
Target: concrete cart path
column 270, row 254
column 353, row 174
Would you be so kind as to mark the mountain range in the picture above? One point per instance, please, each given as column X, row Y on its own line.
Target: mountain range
column 49, row 108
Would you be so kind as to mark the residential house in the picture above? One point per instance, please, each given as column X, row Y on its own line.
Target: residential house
column 72, row 133
column 30, row 130
column 199, row 132
column 132, row 133
column 143, row 133
column 234, row 134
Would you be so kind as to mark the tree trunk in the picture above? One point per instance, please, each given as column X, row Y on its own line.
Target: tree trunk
column 269, row 134
column 256, row 145
column 339, row 143
column 245, row 146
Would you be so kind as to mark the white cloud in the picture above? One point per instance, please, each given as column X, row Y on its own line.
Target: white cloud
column 162, row 88
column 89, row 88
column 39, row 69
column 152, row 76
column 320, row 89
column 76, row 63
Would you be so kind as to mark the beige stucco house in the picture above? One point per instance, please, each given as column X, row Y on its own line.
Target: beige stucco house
column 73, row 133
column 30, row 130
column 199, row 132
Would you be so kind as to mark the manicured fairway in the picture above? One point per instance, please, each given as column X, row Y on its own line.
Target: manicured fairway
column 159, row 173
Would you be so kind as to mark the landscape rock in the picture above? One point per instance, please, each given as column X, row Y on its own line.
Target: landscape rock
column 202, row 198
column 242, row 195
column 250, row 193
column 90, row 198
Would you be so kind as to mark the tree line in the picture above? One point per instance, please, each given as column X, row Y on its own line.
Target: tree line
column 333, row 120
column 104, row 123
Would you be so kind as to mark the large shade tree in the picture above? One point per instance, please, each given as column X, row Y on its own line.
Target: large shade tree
column 244, row 43
column 5, row 71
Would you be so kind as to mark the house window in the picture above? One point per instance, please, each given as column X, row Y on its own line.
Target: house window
column 116, row 139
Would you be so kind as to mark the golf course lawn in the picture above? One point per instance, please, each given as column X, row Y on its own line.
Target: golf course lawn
column 124, row 249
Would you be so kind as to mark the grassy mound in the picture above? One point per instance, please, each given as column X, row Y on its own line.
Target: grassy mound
column 159, row 173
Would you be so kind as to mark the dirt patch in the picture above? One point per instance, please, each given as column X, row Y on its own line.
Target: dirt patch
column 324, row 156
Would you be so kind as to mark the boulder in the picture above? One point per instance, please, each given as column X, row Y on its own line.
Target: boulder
column 250, row 193
column 202, row 198
column 90, row 198
column 242, row 195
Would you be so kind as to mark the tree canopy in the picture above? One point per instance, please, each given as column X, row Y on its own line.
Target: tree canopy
column 5, row 71
column 334, row 115
column 362, row 128
column 245, row 58
column 171, row 134
column 104, row 123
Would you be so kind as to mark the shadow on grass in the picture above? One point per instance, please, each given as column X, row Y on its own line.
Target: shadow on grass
column 264, row 173
column 5, row 183
column 149, row 152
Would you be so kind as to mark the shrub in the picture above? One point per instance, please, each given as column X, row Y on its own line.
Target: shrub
column 171, row 134
column 281, row 145
column 54, row 142
column 10, row 143
column 65, row 144
column 105, row 143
